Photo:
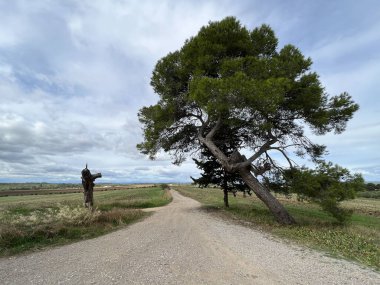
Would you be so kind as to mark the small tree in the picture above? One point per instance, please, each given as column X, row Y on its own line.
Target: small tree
column 229, row 76
column 327, row 185
column 214, row 173
column 164, row 186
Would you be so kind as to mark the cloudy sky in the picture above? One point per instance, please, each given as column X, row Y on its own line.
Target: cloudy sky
column 73, row 75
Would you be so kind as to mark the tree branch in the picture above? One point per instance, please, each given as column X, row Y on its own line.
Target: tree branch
column 208, row 142
column 284, row 154
column 248, row 162
column 217, row 126
column 262, row 149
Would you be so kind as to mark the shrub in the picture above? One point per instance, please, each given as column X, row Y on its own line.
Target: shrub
column 327, row 185
column 164, row 186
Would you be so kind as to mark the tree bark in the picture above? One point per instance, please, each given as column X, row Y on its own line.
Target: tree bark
column 88, row 186
column 225, row 199
column 278, row 210
column 239, row 163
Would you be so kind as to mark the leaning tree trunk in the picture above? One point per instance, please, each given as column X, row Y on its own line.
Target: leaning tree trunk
column 278, row 210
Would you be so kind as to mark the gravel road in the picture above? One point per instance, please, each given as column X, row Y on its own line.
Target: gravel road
column 180, row 244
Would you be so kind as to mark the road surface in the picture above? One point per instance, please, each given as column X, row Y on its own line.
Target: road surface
column 181, row 244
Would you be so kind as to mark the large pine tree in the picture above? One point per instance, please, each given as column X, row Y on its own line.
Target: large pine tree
column 228, row 75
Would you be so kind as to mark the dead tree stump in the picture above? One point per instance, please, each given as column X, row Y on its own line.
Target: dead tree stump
column 88, row 186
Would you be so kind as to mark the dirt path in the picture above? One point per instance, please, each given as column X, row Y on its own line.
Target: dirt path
column 180, row 244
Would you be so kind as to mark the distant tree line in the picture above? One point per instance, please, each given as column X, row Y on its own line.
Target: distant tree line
column 372, row 187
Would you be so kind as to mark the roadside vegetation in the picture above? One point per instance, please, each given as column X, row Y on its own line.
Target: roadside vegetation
column 372, row 190
column 358, row 240
column 369, row 194
column 34, row 222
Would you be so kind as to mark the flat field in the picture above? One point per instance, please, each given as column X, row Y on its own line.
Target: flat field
column 19, row 189
column 358, row 240
column 36, row 221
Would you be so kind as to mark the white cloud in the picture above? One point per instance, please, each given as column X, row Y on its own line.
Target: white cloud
column 345, row 45
column 73, row 94
column 73, row 75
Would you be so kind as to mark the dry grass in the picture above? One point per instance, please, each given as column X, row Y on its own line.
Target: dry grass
column 366, row 206
column 358, row 240
column 57, row 219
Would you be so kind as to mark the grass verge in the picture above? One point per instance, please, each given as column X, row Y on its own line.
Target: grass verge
column 359, row 240
column 34, row 222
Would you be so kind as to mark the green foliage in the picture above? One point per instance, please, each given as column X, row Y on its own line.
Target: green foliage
column 327, row 185
column 240, row 75
column 164, row 186
column 369, row 194
column 265, row 95
column 372, row 187
column 213, row 172
column 264, row 40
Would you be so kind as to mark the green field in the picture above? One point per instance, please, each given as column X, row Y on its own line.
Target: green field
column 359, row 240
column 36, row 186
column 33, row 222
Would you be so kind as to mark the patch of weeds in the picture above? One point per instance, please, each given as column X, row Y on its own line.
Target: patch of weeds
column 110, row 206
column 338, row 241
column 46, row 222
column 119, row 216
column 19, row 237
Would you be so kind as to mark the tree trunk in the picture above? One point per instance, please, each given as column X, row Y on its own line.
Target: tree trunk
column 225, row 199
column 232, row 164
column 278, row 210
